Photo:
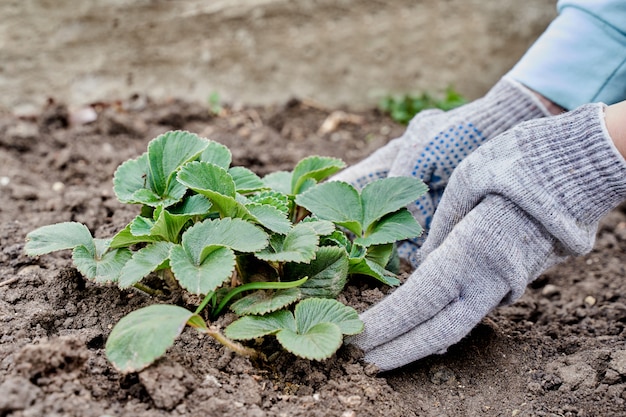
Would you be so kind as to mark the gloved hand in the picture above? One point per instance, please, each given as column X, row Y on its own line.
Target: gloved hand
column 519, row 204
column 436, row 141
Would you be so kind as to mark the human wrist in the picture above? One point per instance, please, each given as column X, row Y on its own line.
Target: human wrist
column 550, row 106
column 615, row 120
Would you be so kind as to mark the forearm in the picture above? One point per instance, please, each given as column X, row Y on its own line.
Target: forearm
column 615, row 119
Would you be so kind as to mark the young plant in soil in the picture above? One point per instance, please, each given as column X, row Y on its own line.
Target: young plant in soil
column 403, row 108
column 275, row 250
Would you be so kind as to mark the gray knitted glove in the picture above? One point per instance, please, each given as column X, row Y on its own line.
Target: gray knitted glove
column 522, row 202
column 436, row 141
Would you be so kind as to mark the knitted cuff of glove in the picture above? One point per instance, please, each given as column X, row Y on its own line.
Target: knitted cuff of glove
column 578, row 165
column 504, row 106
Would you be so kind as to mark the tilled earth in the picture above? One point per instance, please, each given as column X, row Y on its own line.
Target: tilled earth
column 559, row 351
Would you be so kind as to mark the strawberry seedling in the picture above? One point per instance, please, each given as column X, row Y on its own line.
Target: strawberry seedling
column 275, row 250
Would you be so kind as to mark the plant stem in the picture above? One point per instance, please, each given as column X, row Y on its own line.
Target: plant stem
column 205, row 301
column 198, row 323
column 257, row 286
column 232, row 345
column 170, row 280
column 234, row 279
column 299, row 214
column 146, row 289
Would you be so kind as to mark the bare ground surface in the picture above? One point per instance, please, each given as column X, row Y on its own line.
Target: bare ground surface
column 559, row 351
column 338, row 52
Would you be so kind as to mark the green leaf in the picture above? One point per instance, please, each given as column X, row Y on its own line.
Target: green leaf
column 100, row 265
column 272, row 198
column 143, row 262
column 252, row 327
column 321, row 227
column 279, row 181
column 338, row 202
column 246, row 181
column 319, row 342
column 206, row 259
column 313, row 311
column 380, row 254
column 203, row 176
column 141, row 226
column 169, row 222
column 314, row 168
column 144, row 335
column 172, row 196
column 217, row 185
column 125, row 238
column 167, row 153
column 214, row 266
column 151, row 178
column 265, row 301
column 299, row 245
column 58, row 236
column 341, row 203
column 391, row 228
column 236, row 234
column 320, row 324
column 394, row 264
column 228, row 206
column 370, row 268
column 270, row 217
column 194, row 205
column 337, row 238
column 403, row 108
column 253, row 286
column 357, row 253
column 168, row 226
column 314, row 331
column 218, row 154
column 307, row 184
column 327, row 273
column 130, row 177
column 387, row 195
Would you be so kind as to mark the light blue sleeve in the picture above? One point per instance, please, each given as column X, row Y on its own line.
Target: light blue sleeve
column 581, row 57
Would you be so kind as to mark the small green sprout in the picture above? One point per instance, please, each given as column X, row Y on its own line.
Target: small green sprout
column 215, row 104
column 403, row 108
column 275, row 250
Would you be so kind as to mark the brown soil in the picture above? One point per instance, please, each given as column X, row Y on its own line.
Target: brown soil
column 559, row 351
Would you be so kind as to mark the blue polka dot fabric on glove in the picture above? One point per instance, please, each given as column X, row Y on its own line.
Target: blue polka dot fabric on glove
column 435, row 142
